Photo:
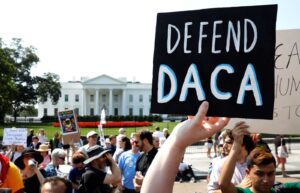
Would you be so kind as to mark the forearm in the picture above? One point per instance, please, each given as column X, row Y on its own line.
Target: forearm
column 228, row 168
column 115, row 172
column 165, row 164
column 40, row 176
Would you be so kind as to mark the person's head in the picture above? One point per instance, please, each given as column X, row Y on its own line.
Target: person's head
column 28, row 154
column 41, row 131
column 56, row 135
column 56, row 185
column 125, row 143
column 92, row 138
column 122, row 131
column 31, row 132
column 35, row 139
column 97, row 157
column 43, row 149
column 261, row 168
column 113, row 139
column 166, row 132
column 156, row 142
column 135, row 140
column 19, row 148
column 58, row 156
column 77, row 160
column 157, row 129
column 145, row 140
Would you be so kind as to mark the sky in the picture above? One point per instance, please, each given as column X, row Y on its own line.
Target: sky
column 76, row 38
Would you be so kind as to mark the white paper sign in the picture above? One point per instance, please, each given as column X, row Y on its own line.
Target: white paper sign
column 287, row 88
column 16, row 136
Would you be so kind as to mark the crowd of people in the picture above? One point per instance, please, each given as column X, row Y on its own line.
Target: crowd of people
column 243, row 162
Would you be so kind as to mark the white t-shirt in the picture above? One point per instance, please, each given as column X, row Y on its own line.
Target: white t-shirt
column 238, row 175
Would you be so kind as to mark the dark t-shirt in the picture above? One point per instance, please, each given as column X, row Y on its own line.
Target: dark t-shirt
column 145, row 160
column 32, row 184
column 75, row 175
column 92, row 181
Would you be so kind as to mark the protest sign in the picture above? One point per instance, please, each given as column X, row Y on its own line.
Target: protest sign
column 287, row 88
column 222, row 55
column 69, row 126
column 15, row 136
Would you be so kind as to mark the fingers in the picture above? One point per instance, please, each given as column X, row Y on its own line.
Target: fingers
column 202, row 111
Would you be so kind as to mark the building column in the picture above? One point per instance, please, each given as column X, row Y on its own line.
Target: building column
column 110, row 102
column 97, row 103
column 123, row 103
column 83, row 102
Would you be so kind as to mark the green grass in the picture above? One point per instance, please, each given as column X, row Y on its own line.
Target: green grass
column 50, row 130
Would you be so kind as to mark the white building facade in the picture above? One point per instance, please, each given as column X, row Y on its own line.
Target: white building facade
column 89, row 97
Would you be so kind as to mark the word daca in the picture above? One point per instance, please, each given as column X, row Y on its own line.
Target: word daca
column 192, row 81
column 232, row 33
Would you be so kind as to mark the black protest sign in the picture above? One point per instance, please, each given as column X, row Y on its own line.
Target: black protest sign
column 223, row 55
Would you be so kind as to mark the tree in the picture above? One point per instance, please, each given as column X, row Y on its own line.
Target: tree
column 22, row 89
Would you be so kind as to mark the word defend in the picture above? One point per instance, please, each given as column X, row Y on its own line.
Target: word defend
column 223, row 55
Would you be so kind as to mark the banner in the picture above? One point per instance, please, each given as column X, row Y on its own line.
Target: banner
column 15, row 136
column 287, row 88
column 222, row 55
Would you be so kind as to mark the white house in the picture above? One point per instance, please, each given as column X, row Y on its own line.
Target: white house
column 89, row 97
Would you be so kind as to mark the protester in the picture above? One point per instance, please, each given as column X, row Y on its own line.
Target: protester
column 35, row 144
column 185, row 172
column 44, row 151
column 14, row 152
column 58, row 157
column 92, row 141
column 158, row 133
column 261, row 168
column 169, row 156
column 127, row 165
column 209, row 144
column 113, row 141
column 125, row 145
column 56, row 185
column 78, row 169
column 29, row 137
column 166, row 132
column 259, row 142
column 156, row 143
column 42, row 136
column 95, row 179
column 119, row 138
column 10, row 176
column 282, row 156
column 145, row 144
column 55, row 142
column 33, row 177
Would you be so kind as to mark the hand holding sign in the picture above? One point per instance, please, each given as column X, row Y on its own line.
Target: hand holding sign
column 197, row 128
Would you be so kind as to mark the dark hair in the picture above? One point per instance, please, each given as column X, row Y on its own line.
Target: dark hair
column 157, row 128
column 146, row 135
column 126, row 140
column 112, row 136
column 248, row 143
column 78, row 157
column 55, row 179
column 260, row 157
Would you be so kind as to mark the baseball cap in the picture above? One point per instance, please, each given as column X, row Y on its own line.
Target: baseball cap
column 91, row 133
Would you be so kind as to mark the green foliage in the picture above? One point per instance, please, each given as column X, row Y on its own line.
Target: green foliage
column 19, row 89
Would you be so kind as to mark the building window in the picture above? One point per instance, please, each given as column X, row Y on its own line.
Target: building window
column 92, row 98
column 150, row 98
column 130, row 98
column 116, row 98
column 77, row 98
column 141, row 98
column 76, row 111
column 130, row 111
column 66, row 98
column 104, row 98
column 45, row 111
column 116, row 112
column 141, row 112
column 92, row 111
column 55, row 111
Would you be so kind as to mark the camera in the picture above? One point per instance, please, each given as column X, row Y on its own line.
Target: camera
column 32, row 163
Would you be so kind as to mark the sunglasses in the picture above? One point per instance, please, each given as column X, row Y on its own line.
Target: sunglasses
column 62, row 158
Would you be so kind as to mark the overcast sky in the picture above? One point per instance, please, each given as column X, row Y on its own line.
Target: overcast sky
column 89, row 38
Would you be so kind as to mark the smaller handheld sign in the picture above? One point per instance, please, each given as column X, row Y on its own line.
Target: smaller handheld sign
column 69, row 126
column 223, row 55
column 15, row 136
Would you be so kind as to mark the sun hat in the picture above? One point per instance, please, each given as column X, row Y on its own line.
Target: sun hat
column 94, row 153
column 28, row 151
column 121, row 130
column 43, row 148
column 91, row 133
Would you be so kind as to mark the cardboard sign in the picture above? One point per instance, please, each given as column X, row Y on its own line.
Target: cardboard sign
column 287, row 88
column 223, row 55
column 15, row 136
column 69, row 126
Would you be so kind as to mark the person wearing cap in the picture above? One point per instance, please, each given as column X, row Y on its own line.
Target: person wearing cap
column 92, row 137
column 95, row 179
column 28, row 162
column 44, row 150
column 10, row 176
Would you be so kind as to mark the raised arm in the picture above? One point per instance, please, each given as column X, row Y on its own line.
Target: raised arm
column 162, row 172
column 238, row 133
